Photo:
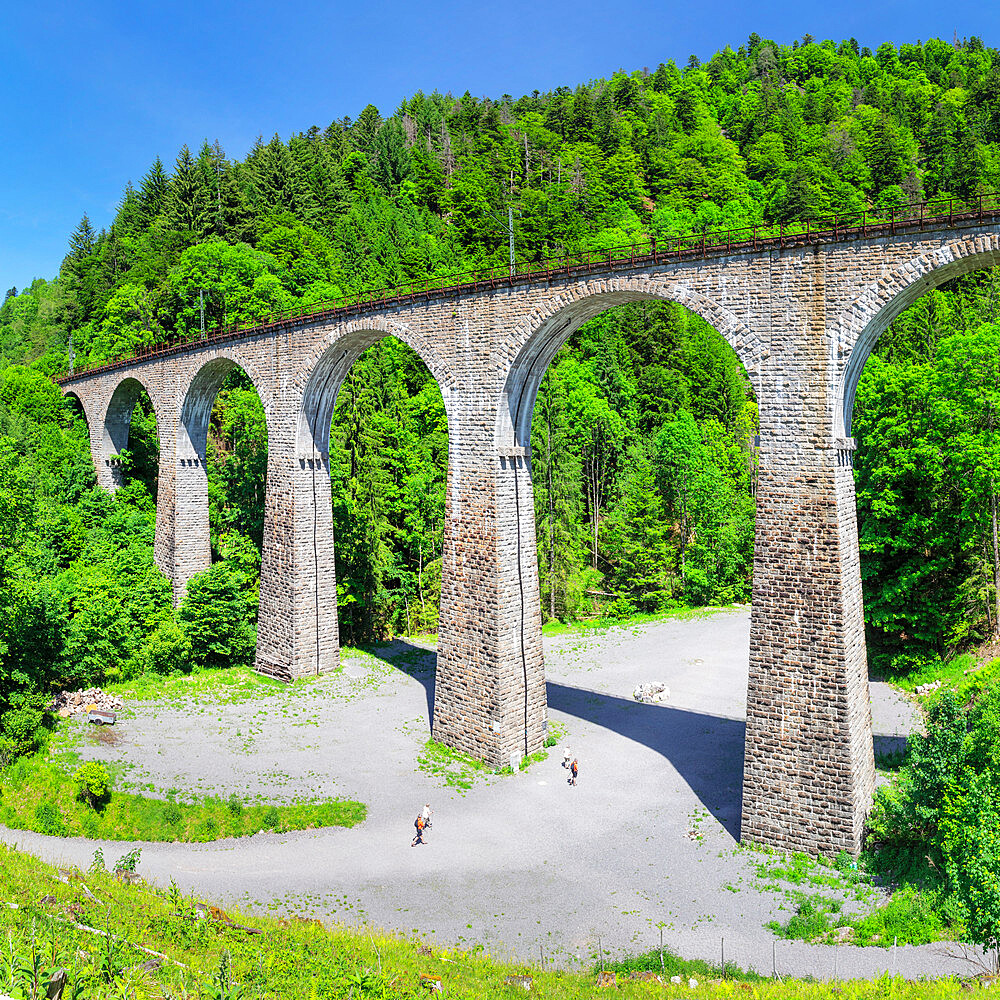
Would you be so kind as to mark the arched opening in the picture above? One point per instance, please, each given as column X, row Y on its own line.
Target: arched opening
column 373, row 409
column 74, row 407
column 921, row 401
column 131, row 444
column 236, row 455
column 219, row 497
column 641, row 420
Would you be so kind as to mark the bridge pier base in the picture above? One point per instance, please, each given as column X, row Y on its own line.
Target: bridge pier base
column 489, row 696
column 809, row 770
column 297, row 634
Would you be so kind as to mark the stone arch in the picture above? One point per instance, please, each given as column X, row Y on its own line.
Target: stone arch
column 535, row 342
column 196, row 410
column 76, row 399
column 321, row 376
column 118, row 414
column 861, row 325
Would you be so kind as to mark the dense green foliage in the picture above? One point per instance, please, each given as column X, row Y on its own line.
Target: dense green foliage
column 642, row 439
column 936, row 827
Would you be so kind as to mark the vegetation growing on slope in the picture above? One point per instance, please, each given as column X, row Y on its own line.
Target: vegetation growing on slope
column 36, row 795
column 101, row 930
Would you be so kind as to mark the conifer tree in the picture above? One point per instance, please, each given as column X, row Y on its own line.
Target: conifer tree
column 154, row 190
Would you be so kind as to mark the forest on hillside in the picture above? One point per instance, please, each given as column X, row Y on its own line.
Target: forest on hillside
column 642, row 438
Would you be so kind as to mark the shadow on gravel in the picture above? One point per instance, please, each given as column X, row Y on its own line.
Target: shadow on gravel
column 890, row 751
column 706, row 750
column 414, row 661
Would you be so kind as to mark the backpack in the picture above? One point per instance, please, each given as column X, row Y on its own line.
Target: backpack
column 419, row 824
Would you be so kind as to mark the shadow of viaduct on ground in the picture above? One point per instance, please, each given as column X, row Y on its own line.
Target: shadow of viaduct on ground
column 705, row 750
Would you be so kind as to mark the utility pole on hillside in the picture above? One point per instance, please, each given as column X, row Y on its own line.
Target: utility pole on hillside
column 72, row 354
column 510, row 230
column 201, row 301
column 508, row 227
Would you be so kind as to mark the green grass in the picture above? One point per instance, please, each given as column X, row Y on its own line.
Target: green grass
column 460, row 771
column 38, row 795
column 91, row 925
column 669, row 964
column 951, row 673
column 833, row 902
column 228, row 687
column 600, row 625
column 907, row 917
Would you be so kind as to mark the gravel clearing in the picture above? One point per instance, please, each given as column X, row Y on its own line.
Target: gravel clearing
column 522, row 864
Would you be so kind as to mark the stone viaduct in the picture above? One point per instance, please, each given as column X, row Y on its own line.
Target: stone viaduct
column 802, row 318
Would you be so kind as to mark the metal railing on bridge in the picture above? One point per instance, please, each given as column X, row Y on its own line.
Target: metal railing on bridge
column 919, row 216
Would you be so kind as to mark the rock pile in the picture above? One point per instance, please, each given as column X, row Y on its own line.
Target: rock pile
column 923, row 689
column 68, row 703
column 652, row 693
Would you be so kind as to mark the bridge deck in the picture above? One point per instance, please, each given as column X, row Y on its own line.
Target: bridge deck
column 755, row 240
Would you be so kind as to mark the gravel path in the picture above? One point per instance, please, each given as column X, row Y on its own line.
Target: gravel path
column 523, row 864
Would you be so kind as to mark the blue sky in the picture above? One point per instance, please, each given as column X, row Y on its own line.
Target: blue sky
column 91, row 93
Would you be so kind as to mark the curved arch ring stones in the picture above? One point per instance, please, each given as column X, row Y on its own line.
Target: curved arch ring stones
column 802, row 322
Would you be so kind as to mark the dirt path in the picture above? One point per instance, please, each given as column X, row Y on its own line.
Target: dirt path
column 523, row 863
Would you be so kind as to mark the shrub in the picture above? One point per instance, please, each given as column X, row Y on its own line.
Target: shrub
column 129, row 862
column 93, row 783
column 235, row 805
column 272, row 818
column 171, row 814
column 49, row 819
column 166, row 651
column 936, row 827
column 213, row 618
column 22, row 731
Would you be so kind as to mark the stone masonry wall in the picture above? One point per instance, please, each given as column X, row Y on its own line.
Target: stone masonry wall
column 802, row 321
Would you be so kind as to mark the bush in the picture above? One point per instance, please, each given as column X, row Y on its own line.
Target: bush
column 49, row 819
column 23, row 731
column 93, row 783
column 129, row 862
column 213, row 618
column 936, row 827
column 166, row 651
column 235, row 805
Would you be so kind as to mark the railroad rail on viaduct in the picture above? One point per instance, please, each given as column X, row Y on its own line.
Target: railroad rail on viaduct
column 802, row 313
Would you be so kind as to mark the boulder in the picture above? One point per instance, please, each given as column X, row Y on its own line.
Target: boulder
column 651, row 693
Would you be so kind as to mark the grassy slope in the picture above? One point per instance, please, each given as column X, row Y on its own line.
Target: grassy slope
column 35, row 794
column 293, row 958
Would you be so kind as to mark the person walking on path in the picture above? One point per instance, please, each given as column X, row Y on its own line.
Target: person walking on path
column 426, row 814
column 419, row 838
column 567, row 756
column 574, row 770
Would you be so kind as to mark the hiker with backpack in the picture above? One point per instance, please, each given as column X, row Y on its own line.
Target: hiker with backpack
column 574, row 770
column 420, row 825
